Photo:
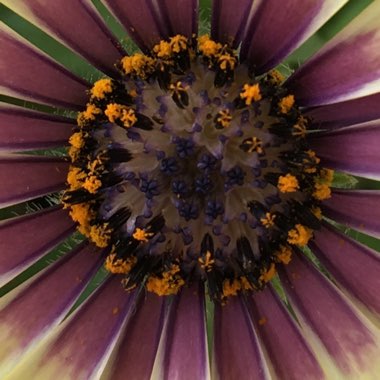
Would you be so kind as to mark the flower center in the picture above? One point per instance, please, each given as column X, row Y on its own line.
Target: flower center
column 191, row 168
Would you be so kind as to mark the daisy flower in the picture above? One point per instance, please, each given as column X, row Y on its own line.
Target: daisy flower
column 190, row 190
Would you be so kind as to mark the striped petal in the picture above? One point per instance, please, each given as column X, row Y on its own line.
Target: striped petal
column 276, row 30
column 354, row 149
column 229, row 20
column 138, row 348
column 82, row 345
column 27, row 177
column 186, row 354
column 347, row 113
column 180, row 16
column 236, row 350
column 141, row 20
column 355, row 266
column 32, row 75
column 324, row 313
column 282, row 339
column 68, row 19
column 22, row 129
column 347, row 67
column 23, row 240
column 30, row 315
column 359, row 209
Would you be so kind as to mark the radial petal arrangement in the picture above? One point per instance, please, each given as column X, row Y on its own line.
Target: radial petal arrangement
column 181, row 217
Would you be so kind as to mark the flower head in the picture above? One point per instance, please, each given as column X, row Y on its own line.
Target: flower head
column 196, row 174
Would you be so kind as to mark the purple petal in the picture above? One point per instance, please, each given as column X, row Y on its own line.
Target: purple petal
column 26, row 177
column 359, row 209
column 229, row 20
column 347, row 339
column 30, row 315
column 22, row 129
column 141, row 20
column 283, row 341
column 354, row 265
column 347, row 113
column 181, row 16
column 82, row 346
column 137, row 351
column 274, row 32
column 23, row 240
column 236, row 348
column 32, row 75
column 347, row 67
column 351, row 149
column 186, row 354
column 68, row 19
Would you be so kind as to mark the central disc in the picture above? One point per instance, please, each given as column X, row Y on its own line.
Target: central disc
column 190, row 168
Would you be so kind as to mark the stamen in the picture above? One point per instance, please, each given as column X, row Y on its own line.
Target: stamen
column 251, row 93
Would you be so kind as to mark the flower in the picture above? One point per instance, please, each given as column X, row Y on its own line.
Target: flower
column 195, row 169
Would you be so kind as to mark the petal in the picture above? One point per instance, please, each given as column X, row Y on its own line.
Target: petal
column 324, row 313
column 141, row 20
column 25, row 177
column 32, row 75
column 22, row 129
column 138, row 348
column 186, row 353
column 30, row 315
column 275, row 31
column 355, row 266
column 354, row 149
column 81, row 347
column 278, row 332
column 181, row 16
column 68, row 19
column 359, row 209
column 236, row 351
column 229, row 19
column 25, row 239
column 347, row 67
column 346, row 113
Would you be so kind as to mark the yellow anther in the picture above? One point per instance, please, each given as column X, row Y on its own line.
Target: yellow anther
column 269, row 273
column 178, row 43
column 92, row 184
column 120, row 266
column 311, row 162
column 268, row 220
column 299, row 235
column 206, row 263
column 286, row 104
column 139, row 65
column 224, row 118
column 83, row 214
column 275, row 77
column 245, row 284
column 327, row 175
column 251, row 93
column 288, row 183
column 284, row 254
column 231, row 287
column 227, row 62
column 76, row 140
column 88, row 115
column 208, row 47
column 322, row 191
column 114, row 111
column 75, row 178
column 100, row 235
column 177, row 87
column 128, row 118
column 163, row 50
column 168, row 283
column 254, row 144
column 142, row 235
column 101, row 88
column 299, row 129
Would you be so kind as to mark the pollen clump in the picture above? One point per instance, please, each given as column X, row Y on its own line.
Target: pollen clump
column 269, row 273
column 114, row 264
column 83, row 214
column 100, row 235
column 207, row 262
column 75, row 177
column 251, row 93
column 208, row 47
column 138, row 65
column 141, row 235
column 101, row 88
column 268, row 220
column 288, row 183
column 284, row 255
column 286, row 104
column 168, row 283
column 299, row 235
column 231, row 287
